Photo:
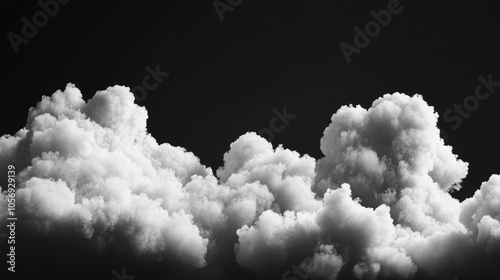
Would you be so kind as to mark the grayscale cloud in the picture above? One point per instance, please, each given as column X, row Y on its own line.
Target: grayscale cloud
column 377, row 204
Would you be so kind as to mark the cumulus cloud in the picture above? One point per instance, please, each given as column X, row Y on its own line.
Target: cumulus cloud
column 481, row 214
column 380, row 150
column 325, row 264
column 377, row 204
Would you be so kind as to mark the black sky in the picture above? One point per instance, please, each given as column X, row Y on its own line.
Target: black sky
column 226, row 77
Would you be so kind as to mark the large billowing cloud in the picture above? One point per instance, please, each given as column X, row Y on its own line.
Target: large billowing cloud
column 376, row 205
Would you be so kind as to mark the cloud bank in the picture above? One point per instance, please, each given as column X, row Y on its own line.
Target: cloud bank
column 377, row 205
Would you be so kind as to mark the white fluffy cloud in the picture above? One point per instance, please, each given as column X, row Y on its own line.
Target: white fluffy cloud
column 481, row 214
column 378, row 151
column 376, row 205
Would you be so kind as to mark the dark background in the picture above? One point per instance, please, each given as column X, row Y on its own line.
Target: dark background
column 226, row 77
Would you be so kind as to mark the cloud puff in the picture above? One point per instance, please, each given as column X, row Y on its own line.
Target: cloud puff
column 325, row 264
column 481, row 214
column 276, row 239
column 378, row 150
column 376, row 205
column 92, row 170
